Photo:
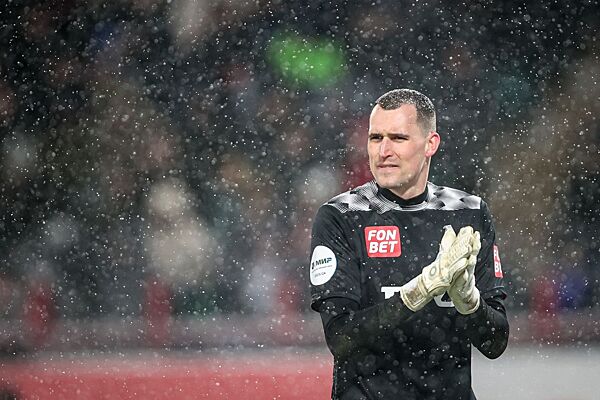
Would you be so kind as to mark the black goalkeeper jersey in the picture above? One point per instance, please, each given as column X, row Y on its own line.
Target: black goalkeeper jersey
column 368, row 242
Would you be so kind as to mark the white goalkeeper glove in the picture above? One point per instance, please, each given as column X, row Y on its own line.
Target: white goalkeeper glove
column 463, row 292
column 436, row 278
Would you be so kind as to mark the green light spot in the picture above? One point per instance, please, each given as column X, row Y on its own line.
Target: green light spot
column 307, row 61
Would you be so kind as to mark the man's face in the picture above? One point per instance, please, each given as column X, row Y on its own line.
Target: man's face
column 399, row 150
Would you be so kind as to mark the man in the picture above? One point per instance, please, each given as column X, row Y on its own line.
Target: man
column 403, row 297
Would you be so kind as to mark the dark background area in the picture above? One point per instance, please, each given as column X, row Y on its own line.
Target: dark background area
column 166, row 158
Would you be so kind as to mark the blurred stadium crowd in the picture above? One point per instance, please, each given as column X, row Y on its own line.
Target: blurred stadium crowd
column 172, row 154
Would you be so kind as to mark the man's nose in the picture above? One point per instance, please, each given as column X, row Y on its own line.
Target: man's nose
column 385, row 148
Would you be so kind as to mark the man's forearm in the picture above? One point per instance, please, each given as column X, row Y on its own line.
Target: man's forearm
column 347, row 328
column 487, row 328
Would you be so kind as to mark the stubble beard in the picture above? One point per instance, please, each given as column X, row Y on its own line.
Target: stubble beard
column 392, row 181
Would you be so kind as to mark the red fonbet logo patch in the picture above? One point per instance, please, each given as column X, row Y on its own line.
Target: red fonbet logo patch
column 497, row 265
column 383, row 241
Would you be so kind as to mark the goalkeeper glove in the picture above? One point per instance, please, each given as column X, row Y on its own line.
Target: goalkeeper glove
column 436, row 278
column 463, row 292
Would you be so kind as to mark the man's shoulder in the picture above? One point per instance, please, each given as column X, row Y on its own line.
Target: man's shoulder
column 448, row 198
column 360, row 198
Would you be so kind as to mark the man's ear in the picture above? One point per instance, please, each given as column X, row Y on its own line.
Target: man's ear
column 433, row 143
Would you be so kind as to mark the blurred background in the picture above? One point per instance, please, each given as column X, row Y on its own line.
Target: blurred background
column 161, row 162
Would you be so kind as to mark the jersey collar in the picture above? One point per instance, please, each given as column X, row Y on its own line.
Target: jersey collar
column 403, row 202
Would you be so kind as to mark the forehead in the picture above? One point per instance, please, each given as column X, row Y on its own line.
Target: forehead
column 398, row 120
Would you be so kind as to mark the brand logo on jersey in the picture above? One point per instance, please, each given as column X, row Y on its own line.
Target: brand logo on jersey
column 322, row 265
column 383, row 241
column 441, row 300
column 497, row 265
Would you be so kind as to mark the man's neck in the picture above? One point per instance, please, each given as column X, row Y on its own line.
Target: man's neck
column 410, row 192
column 416, row 187
column 411, row 201
column 412, row 189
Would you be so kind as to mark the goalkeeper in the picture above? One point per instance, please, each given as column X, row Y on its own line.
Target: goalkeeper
column 406, row 274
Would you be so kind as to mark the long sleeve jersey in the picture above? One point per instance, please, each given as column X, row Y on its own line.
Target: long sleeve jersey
column 366, row 244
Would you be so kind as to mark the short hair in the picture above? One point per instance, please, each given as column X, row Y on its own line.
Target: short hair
column 425, row 110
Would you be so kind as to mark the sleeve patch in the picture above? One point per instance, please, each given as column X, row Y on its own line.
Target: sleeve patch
column 497, row 265
column 322, row 265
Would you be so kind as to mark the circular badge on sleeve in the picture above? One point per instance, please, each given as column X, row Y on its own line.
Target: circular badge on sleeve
column 322, row 265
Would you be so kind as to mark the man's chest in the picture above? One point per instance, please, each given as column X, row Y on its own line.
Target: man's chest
column 392, row 248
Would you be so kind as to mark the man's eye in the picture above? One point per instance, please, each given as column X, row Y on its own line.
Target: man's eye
column 375, row 137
